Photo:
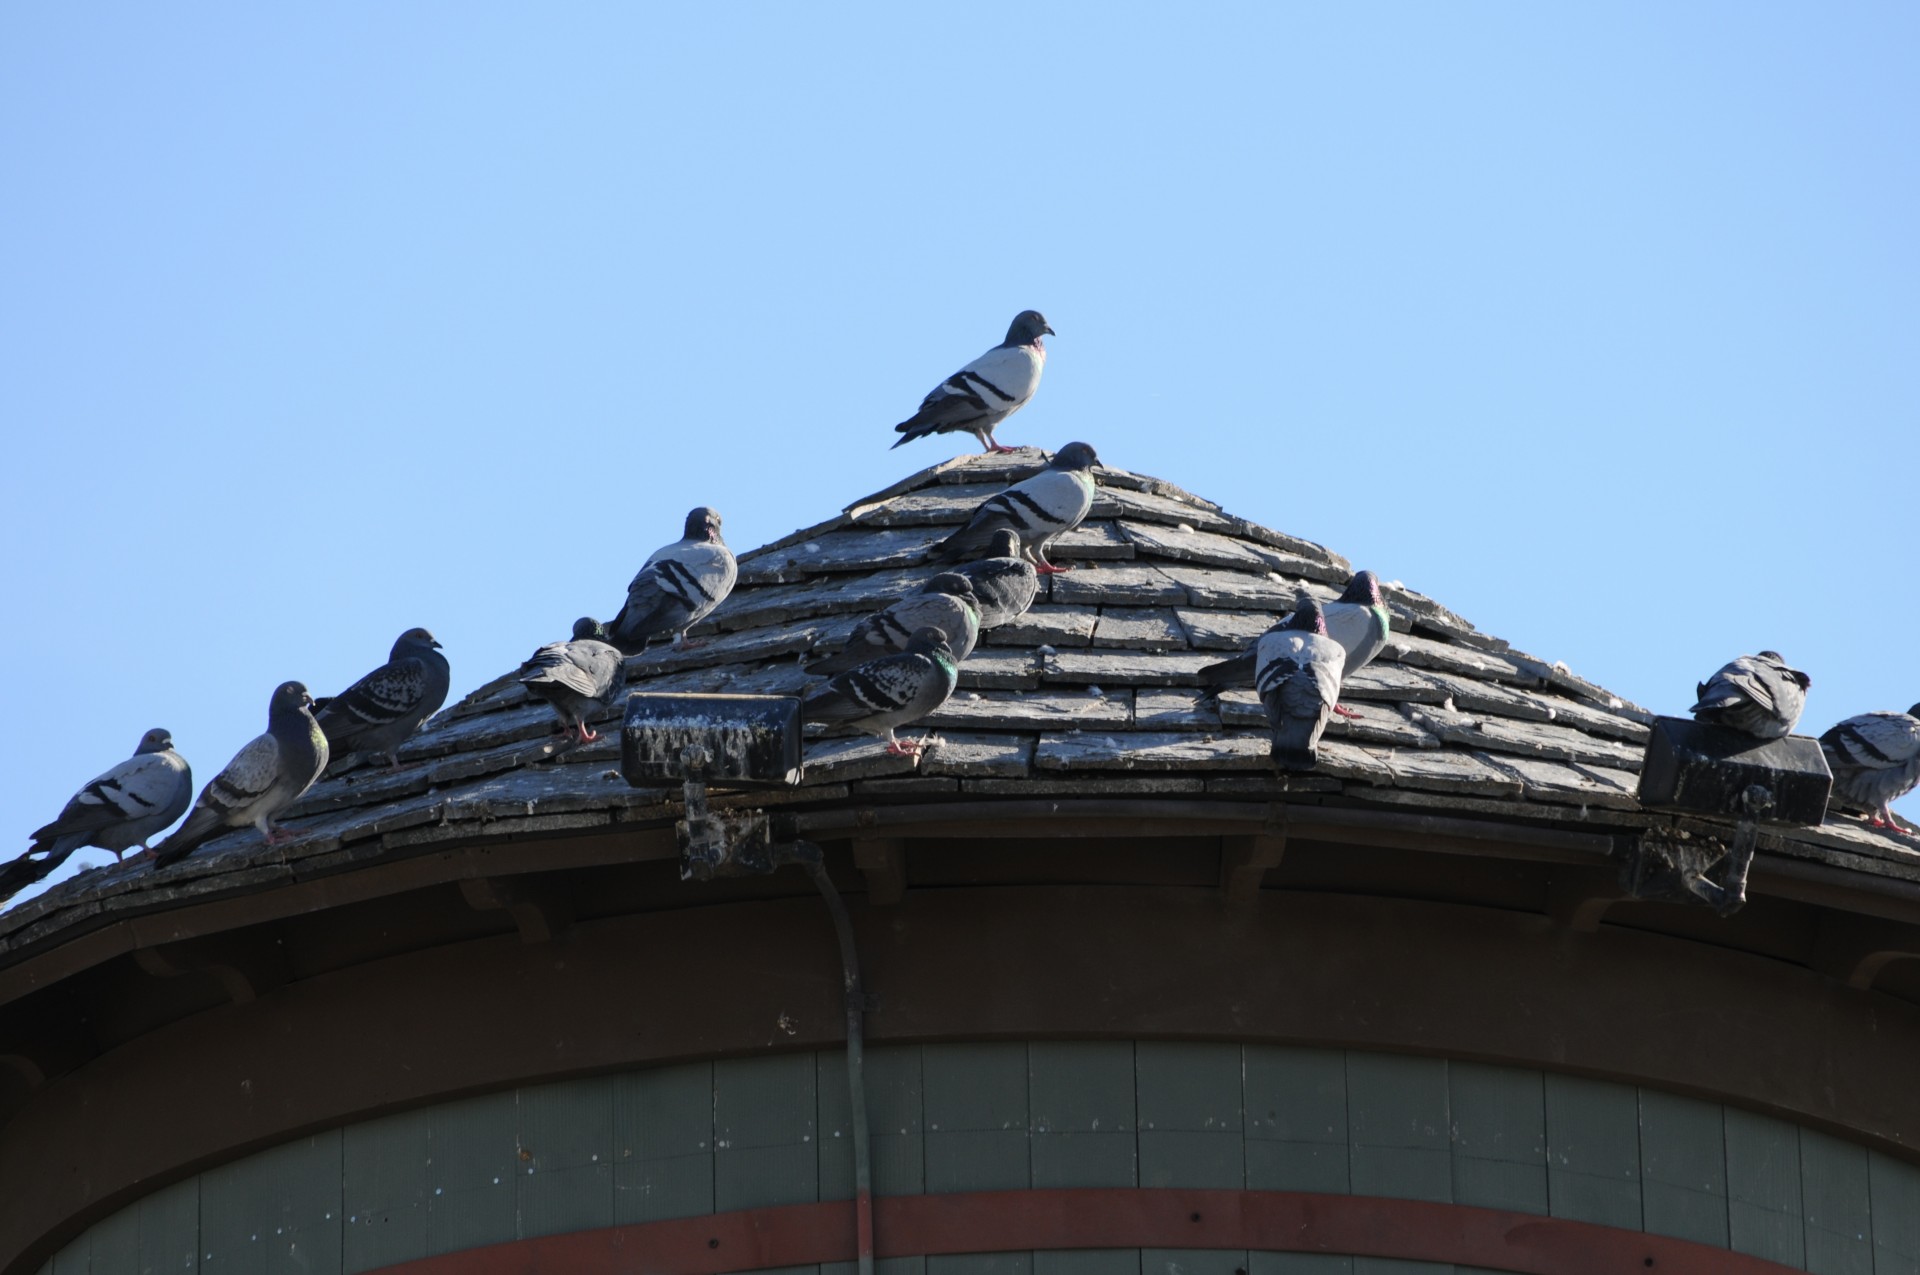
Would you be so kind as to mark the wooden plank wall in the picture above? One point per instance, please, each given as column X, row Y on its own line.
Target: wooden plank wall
column 744, row 1133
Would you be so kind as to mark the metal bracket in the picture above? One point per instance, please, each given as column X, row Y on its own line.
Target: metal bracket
column 1672, row 866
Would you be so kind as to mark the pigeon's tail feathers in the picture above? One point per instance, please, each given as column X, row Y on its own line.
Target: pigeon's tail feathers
column 1235, row 671
column 1289, row 757
column 201, row 826
column 971, row 541
column 44, row 856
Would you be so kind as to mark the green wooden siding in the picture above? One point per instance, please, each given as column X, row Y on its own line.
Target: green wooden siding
column 1763, row 1188
column 1593, row 1151
column 1499, row 1137
column 685, row 1141
column 1296, row 1120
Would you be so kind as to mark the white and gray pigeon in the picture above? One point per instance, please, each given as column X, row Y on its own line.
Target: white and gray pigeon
column 1757, row 695
column 986, row 391
column 1875, row 759
column 579, row 678
column 678, row 587
column 1358, row 620
column 1037, row 509
column 945, row 602
column 115, row 811
column 264, row 778
column 1005, row 584
column 892, row 691
column 1298, row 677
column 377, row 713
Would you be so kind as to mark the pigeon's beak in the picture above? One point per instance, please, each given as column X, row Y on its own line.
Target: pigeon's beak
column 1046, row 328
column 436, row 646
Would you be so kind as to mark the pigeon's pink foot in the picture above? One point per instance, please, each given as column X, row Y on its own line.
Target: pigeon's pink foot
column 906, row 747
column 588, row 734
column 1346, row 712
column 146, row 853
column 999, row 449
column 278, row 836
column 1048, row 569
column 685, row 643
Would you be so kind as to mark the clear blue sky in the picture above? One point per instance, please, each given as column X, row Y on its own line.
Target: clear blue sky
column 324, row 321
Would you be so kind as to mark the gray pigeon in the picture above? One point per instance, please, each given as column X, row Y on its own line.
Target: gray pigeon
column 1757, row 695
column 678, row 586
column 1875, row 759
column 1038, row 509
column 264, row 778
column 986, row 391
column 945, row 602
column 1005, row 584
column 1298, row 677
column 378, row 712
column 579, row 678
column 894, row 690
column 115, row 811
column 1359, row 621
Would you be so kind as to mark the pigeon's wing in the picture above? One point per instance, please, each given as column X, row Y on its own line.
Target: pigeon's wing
column 877, row 687
column 1874, row 741
column 1233, row 671
column 248, row 777
column 1752, row 680
column 880, row 634
column 575, row 665
column 381, row 698
column 982, row 393
column 1005, row 377
column 1035, row 510
column 140, row 786
column 253, row 771
column 678, row 586
column 1006, row 587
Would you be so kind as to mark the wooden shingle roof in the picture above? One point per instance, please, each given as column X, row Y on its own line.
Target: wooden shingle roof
column 1093, row 692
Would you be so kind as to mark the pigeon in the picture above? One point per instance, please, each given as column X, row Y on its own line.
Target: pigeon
column 378, row 712
column 1298, row 677
column 579, row 678
column 115, row 811
column 1005, row 584
column 945, row 602
column 1875, row 759
column 1038, row 509
column 986, row 391
column 264, row 778
column 678, row 586
column 1757, row 695
column 1359, row 621
column 894, row 690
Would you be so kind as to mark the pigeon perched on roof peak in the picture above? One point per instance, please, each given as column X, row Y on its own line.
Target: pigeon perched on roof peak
column 1005, row 583
column 678, row 587
column 377, row 713
column 892, row 691
column 986, row 391
column 1875, row 759
column 946, row 602
column 1298, row 678
column 116, row 810
column 1358, row 620
column 1757, row 695
column 264, row 778
column 578, row 677
column 1037, row 509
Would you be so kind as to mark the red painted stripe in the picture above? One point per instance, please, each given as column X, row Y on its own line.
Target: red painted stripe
column 1003, row 1221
